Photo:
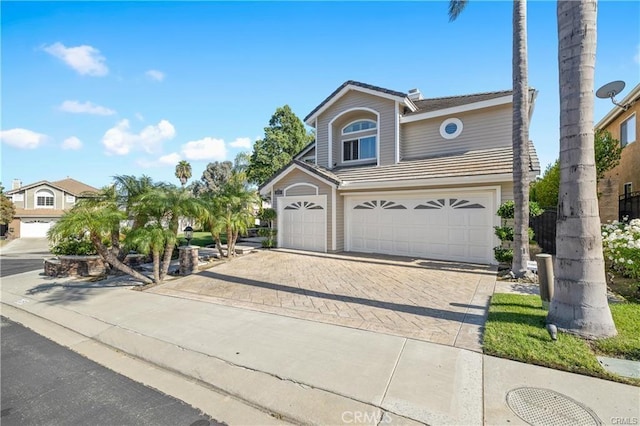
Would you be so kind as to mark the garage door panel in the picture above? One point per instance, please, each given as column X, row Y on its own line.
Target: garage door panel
column 35, row 228
column 451, row 227
column 303, row 223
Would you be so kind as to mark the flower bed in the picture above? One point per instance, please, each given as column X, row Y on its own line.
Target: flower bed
column 621, row 245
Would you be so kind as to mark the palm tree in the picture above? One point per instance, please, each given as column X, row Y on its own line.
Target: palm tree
column 183, row 172
column 106, row 198
column 520, row 132
column 152, row 238
column 130, row 189
column 164, row 206
column 579, row 303
column 97, row 222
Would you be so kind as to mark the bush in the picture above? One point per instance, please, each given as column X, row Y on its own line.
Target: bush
column 621, row 246
column 270, row 240
column 503, row 255
column 74, row 246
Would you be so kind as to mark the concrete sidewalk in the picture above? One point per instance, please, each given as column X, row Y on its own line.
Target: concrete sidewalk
column 305, row 372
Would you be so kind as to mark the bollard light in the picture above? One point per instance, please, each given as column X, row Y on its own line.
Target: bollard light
column 188, row 234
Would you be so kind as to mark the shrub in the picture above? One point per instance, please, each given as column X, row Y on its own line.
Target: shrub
column 270, row 240
column 621, row 246
column 503, row 254
column 74, row 246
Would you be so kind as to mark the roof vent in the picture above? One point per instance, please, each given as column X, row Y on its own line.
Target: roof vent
column 17, row 183
column 415, row 95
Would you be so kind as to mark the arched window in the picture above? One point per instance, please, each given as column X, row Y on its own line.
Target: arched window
column 359, row 126
column 44, row 199
column 362, row 146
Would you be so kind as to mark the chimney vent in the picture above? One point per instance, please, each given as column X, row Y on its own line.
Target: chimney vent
column 415, row 95
column 17, row 183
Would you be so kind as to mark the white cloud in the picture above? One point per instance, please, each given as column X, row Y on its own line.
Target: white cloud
column 86, row 60
column 22, row 138
column 205, row 149
column 120, row 140
column 170, row 159
column 155, row 75
column 72, row 143
column 241, row 143
column 85, row 108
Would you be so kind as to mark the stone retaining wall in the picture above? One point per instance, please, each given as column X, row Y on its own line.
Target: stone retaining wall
column 84, row 266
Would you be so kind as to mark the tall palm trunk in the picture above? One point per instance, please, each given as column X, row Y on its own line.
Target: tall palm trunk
column 520, row 140
column 112, row 260
column 166, row 260
column 156, row 266
column 579, row 303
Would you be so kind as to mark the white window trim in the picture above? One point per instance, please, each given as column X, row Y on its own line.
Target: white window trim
column 48, row 192
column 359, row 131
column 624, row 185
column 359, row 160
column 633, row 115
column 330, row 133
column 445, row 123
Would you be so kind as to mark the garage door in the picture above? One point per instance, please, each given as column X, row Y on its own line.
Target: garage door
column 456, row 226
column 34, row 229
column 302, row 222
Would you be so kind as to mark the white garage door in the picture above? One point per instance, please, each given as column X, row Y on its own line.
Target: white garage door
column 302, row 222
column 35, row 228
column 456, row 226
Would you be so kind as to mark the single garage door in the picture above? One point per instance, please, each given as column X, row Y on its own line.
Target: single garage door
column 34, row 228
column 302, row 222
column 451, row 226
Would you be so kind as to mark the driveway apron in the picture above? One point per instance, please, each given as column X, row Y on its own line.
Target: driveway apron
column 441, row 302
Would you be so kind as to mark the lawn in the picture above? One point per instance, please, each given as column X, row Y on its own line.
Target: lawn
column 516, row 330
column 202, row 239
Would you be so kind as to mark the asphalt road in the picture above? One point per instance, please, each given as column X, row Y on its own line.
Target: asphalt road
column 11, row 266
column 45, row 383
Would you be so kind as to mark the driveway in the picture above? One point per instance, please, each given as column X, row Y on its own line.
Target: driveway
column 435, row 301
column 23, row 255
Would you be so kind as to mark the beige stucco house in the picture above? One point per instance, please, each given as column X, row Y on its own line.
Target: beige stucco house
column 620, row 187
column 396, row 173
column 39, row 205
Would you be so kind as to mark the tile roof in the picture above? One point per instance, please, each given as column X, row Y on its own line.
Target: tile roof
column 434, row 104
column 69, row 185
column 359, row 84
column 469, row 163
column 73, row 186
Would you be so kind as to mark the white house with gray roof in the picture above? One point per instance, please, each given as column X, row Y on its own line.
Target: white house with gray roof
column 396, row 173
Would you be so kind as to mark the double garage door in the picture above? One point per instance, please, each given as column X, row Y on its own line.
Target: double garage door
column 454, row 226
column 35, row 228
column 447, row 226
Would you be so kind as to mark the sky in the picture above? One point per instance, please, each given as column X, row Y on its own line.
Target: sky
column 90, row 90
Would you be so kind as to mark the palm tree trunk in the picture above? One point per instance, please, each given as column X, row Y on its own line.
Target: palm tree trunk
column 156, row 266
column 520, row 140
column 219, row 246
column 112, row 260
column 579, row 304
column 166, row 260
column 229, row 241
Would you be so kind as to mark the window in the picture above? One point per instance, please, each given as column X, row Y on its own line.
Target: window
column 44, row 199
column 359, row 126
column 628, row 131
column 18, row 197
column 359, row 149
column 451, row 128
column 628, row 188
column 70, row 199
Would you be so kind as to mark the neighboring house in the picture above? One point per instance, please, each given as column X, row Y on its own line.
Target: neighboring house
column 394, row 173
column 39, row 205
column 620, row 189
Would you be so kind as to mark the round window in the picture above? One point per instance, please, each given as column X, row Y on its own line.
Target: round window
column 451, row 128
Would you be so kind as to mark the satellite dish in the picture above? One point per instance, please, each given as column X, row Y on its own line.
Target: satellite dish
column 610, row 90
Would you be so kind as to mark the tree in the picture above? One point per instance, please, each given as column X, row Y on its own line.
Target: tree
column 579, row 305
column 520, row 132
column 97, row 222
column 7, row 209
column 215, row 175
column 607, row 154
column 283, row 139
column 152, row 238
column 183, row 172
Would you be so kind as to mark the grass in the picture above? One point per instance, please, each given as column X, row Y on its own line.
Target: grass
column 202, row 239
column 516, row 330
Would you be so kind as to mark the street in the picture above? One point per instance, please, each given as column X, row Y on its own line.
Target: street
column 45, row 383
column 18, row 264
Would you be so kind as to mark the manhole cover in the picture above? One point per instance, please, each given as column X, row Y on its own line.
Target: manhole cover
column 543, row 407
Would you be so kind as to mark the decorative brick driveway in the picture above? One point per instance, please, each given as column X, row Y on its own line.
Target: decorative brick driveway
column 441, row 302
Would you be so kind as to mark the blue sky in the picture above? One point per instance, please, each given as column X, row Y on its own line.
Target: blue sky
column 93, row 90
